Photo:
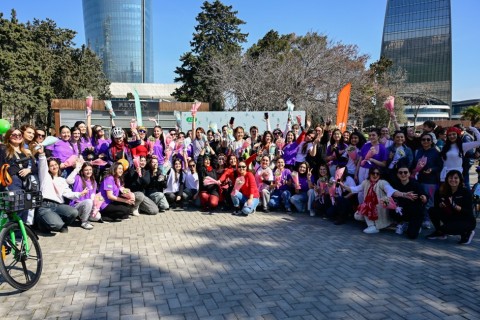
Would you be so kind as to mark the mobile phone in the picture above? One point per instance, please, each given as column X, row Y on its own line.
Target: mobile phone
column 266, row 115
column 232, row 119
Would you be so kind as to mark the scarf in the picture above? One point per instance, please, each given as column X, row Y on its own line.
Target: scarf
column 369, row 207
column 116, row 148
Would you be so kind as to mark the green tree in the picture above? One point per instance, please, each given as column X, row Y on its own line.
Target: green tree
column 217, row 33
column 472, row 113
column 38, row 63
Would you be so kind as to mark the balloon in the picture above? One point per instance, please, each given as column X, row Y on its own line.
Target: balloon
column 4, row 126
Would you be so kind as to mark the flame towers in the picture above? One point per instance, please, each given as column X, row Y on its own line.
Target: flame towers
column 417, row 37
column 120, row 32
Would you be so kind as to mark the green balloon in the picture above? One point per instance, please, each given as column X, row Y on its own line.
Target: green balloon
column 4, row 126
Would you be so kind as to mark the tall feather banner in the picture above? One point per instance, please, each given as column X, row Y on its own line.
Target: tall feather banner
column 342, row 107
column 138, row 107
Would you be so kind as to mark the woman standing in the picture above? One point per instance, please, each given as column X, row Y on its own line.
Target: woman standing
column 398, row 151
column 452, row 212
column 454, row 150
column 335, row 151
column 143, row 148
column 376, row 154
column 64, row 148
column 158, row 146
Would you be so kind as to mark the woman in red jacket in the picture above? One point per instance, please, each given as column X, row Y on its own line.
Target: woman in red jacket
column 245, row 196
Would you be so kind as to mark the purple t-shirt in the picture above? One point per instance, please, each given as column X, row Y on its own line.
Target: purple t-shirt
column 289, row 153
column 304, row 183
column 341, row 146
column 102, row 146
column 108, row 184
column 63, row 150
column 158, row 151
column 78, row 187
column 284, row 177
column 84, row 144
column 380, row 156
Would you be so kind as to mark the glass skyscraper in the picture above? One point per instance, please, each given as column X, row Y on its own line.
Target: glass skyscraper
column 120, row 32
column 417, row 36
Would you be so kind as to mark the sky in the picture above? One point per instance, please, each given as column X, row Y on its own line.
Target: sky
column 358, row 22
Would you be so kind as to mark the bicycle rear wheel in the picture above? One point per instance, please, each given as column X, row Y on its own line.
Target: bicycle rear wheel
column 21, row 269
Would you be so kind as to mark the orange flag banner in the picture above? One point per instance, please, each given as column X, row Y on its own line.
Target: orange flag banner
column 342, row 107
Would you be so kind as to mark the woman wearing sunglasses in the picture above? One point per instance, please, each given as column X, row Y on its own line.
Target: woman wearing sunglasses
column 429, row 175
column 371, row 210
column 245, row 195
column 409, row 212
column 142, row 149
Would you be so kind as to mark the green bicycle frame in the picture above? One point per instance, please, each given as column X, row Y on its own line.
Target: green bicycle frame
column 5, row 218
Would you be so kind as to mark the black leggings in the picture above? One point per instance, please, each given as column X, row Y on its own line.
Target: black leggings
column 117, row 210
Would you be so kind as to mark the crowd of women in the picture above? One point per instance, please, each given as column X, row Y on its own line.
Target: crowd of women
column 401, row 179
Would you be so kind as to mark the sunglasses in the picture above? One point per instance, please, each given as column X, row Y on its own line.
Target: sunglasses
column 191, row 166
column 242, row 167
column 277, row 133
column 142, row 131
column 376, row 173
column 98, row 130
column 403, row 172
column 16, row 135
column 41, row 135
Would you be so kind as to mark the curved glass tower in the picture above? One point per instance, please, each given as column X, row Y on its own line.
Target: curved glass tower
column 120, row 32
column 417, row 36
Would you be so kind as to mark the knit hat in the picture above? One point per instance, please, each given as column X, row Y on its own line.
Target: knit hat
column 454, row 129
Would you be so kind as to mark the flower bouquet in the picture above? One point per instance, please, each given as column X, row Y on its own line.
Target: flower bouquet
column 332, row 188
column 178, row 119
column 195, row 107
column 352, row 152
column 389, row 105
column 239, row 182
column 290, row 107
column 420, row 165
column 246, row 144
column 127, row 194
column 296, row 180
column 133, row 124
column 88, row 104
column 136, row 164
column 98, row 162
column 71, row 161
column 97, row 203
column 109, row 108
column 399, row 154
column 278, row 178
column 388, row 203
column 372, row 152
column 210, row 181
column 47, row 142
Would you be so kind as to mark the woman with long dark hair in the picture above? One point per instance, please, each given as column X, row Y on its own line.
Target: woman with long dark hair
column 452, row 213
column 454, row 150
column 82, row 179
column 335, row 151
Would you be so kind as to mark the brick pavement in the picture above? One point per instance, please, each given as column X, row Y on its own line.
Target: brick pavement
column 189, row 265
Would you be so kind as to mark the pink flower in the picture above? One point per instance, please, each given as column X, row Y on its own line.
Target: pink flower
column 389, row 104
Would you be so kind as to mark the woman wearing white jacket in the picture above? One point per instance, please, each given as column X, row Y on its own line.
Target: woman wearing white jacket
column 54, row 214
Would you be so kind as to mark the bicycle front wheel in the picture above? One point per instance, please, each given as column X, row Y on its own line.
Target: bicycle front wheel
column 20, row 267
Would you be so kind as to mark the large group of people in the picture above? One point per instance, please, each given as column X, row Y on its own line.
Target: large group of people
column 402, row 179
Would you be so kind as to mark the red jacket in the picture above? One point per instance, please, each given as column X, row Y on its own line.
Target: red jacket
column 250, row 186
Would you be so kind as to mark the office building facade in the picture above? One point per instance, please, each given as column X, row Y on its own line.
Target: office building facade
column 120, row 32
column 417, row 37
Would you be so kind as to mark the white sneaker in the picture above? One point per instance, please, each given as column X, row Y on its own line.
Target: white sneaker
column 312, row 213
column 135, row 213
column 87, row 225
column 401, row 227
column 371, row 229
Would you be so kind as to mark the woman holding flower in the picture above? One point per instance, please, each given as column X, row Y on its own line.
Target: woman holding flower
column 335, row 151
column 319, row 196
column 398, row 151
column 302, row 181
column 281, row 187
column 371, row 210
column 372, row 155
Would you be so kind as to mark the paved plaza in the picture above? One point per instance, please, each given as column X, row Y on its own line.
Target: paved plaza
column 191, row 265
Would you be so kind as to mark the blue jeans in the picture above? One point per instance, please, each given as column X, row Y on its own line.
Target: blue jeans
column 299, row 201
column 278, row 197
column 53, row 217
column 240, row 200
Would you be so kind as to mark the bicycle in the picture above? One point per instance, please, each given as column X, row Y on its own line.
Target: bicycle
column 21, row 256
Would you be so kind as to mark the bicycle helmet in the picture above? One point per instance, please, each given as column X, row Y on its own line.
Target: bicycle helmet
column 117, row 132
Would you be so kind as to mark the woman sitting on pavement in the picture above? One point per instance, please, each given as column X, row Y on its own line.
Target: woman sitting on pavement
column 300, row 198
column 54, row 214
column 158, row 181
column 452, row 213
column 409, row 212
column 371, row 210
column 245, row 195
column 318, row 196
column 175, row 184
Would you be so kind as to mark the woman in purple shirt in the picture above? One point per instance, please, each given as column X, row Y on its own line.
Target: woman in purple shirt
column 335, row 151
column 300, row 199
column 158, row 144
column 83, row 180
column 378, row 160
column 64, row 148
column 290, row 149
column 115, row 206
column 282, row 185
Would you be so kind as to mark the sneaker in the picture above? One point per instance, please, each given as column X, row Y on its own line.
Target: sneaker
column 427, row 224
column 135, row 213
column 266, row 210
column 64, row 230
column 371, row 230
column 289, row 211
column 401, row 227
column 312, row 213
column 86, row 225
column 467, row 237
column 437, row 235
column 236, row 211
